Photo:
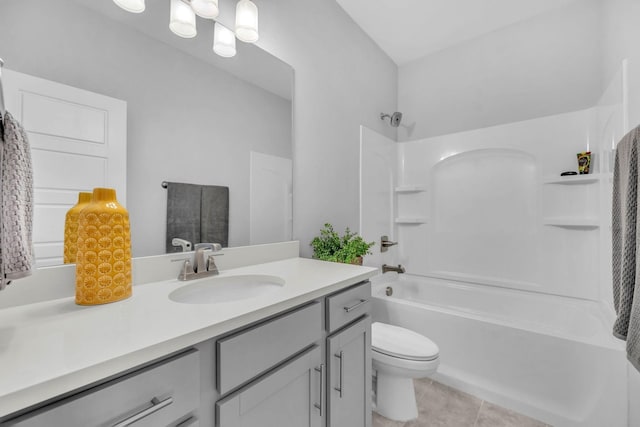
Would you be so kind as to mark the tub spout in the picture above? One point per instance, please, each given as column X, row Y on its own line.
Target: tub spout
column 399, row 269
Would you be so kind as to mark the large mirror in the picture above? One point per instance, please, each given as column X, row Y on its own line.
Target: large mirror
column 191, row 116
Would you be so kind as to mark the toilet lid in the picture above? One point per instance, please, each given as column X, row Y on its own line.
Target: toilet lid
column 402, row 343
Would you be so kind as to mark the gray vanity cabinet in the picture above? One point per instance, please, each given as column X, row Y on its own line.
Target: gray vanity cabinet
column 291, row 395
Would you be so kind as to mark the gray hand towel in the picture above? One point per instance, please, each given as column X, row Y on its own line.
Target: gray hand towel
column 214, row 225
column 626, row 279
column 16, row 247
column 183, row 213
column 197, row 213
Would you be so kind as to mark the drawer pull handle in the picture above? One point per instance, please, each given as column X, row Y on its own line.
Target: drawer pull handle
column 339, row 388
column 156, row 405
column 320, row 406
column 356, row 305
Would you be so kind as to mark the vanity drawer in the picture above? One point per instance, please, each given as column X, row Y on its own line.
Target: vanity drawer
column 347, row 305
column 160, row 395
column 250, row 352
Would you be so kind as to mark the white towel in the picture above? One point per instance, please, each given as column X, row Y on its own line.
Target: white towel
column 16, row 193
column 626, row 260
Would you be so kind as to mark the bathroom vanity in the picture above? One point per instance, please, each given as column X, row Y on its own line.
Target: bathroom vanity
column 297, row 356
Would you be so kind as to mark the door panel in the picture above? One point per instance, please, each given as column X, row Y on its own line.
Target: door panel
column 349, row 385
column 284, row 398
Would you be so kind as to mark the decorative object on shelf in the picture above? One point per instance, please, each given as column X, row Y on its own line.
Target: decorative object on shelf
column 569, row 173
column 182, row 21
column 103, row 262
column 584, row 162
column 71, row 227
column 348, row 249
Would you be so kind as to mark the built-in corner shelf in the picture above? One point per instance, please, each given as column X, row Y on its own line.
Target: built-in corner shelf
column 411, row 220
column 410, row 189
column 574, row 179
column 573, row 223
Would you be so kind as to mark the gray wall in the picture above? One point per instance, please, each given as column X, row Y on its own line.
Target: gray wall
column 343, row 80
column 187, row 121
column 546, row 65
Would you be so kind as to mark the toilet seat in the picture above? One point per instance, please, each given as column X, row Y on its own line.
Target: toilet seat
column 402, row 343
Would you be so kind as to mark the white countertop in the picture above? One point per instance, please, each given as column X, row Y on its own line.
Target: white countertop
column 53, row 347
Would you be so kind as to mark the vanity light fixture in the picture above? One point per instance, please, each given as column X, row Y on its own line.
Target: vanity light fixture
column 207, row 9
column 224, row 41
column 182, row 19
column 133, row 6
column 247, row 21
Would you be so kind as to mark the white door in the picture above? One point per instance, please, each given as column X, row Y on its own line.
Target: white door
column 270, row 210
column 78, row 142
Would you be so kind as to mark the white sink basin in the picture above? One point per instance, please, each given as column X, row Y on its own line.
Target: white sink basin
column 216, row 290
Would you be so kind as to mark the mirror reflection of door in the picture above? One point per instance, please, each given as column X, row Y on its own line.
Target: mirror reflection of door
column 270, row 202
column 78, row 142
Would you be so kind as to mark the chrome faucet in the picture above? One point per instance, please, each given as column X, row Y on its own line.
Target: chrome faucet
column 386, row 268
column 185, row 244
column 204, row 263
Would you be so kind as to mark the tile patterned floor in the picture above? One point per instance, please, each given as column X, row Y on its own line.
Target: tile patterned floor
column 443, row 406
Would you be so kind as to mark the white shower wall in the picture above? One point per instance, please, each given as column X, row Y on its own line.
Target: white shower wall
column 491, row 213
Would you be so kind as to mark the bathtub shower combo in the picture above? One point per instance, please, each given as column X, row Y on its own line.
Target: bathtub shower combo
column 507, row 263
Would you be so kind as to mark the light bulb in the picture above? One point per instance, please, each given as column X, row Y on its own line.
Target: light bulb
column 247, row 21
column 133, row 6
column 207, row 9
column 182, row 19
column 224, row 41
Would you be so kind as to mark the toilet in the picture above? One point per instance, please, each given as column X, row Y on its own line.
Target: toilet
column 400, row 355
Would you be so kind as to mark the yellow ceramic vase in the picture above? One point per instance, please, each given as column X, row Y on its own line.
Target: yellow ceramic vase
column 103, row 262
column 71, row 228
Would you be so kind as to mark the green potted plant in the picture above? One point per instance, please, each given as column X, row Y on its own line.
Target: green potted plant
column 348, row 249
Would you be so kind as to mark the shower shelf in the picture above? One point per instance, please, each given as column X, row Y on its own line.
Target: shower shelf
column 574, row 179
column 574, row 223
column 410, row 189
column 411, row 220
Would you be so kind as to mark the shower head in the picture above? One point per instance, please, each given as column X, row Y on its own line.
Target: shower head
column 394, row 119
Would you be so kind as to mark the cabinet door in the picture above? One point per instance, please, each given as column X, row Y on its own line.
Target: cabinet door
column 349, row 376
column 289, row 396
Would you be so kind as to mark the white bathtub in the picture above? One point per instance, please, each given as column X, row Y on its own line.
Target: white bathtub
column 549, row 357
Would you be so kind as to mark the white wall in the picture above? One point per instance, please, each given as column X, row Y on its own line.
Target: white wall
column 343, row 80
column 547, row 65
column 187, row 121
